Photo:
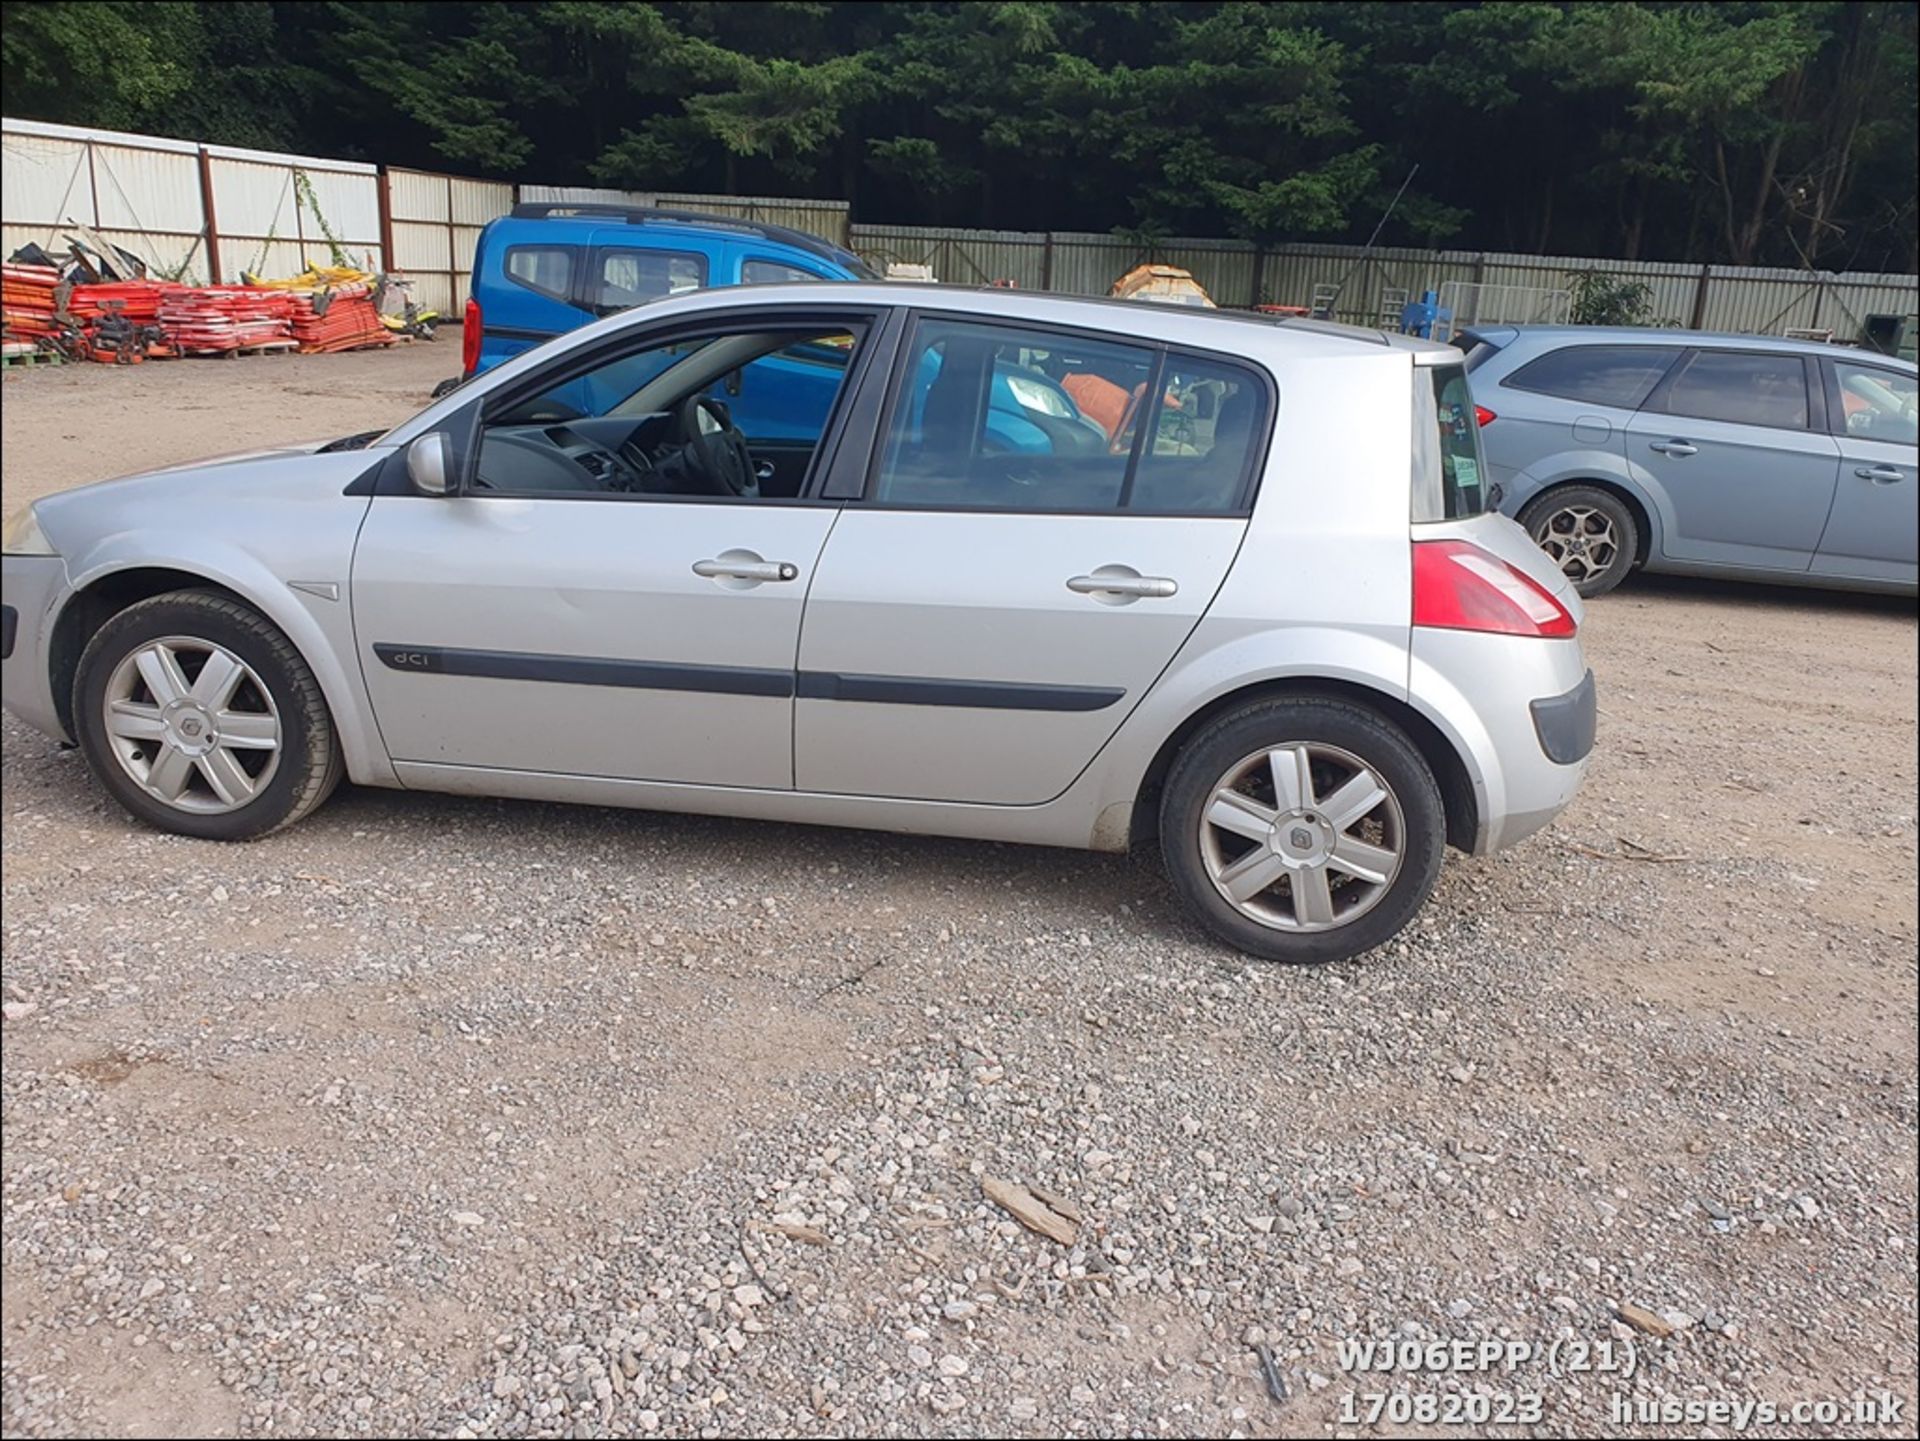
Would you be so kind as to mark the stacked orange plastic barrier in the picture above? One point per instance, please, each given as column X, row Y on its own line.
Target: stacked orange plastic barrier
column 209, row 319
column 26, row 300
column 342, row 319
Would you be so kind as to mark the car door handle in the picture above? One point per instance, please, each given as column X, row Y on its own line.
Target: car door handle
column 1674, row 447
column 1880, row 474
column 1153, row 587
column 729, row 568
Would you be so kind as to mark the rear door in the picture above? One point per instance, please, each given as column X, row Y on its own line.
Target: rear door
column 1552, row 412
column 531, row 297
column 1875, row 526
column 1732, row 446
column 983, row 619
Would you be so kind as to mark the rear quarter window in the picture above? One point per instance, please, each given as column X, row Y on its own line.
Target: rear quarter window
column 1622, row 376
column 1449, row 468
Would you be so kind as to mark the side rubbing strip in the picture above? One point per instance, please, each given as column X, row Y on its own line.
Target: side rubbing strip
column 742, row 680
column 586, row 670
column 976, row 694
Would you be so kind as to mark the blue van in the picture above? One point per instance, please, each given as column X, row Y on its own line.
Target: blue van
column 549, row 268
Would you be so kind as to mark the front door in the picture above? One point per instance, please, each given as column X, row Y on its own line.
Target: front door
column 615, row 593
column 1728, row 447
column 1875, row 526
column 1019, row 573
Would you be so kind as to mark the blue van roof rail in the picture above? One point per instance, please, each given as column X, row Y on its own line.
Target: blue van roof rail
column 654, row 215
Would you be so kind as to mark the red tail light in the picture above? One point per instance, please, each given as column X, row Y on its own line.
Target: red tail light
column 470, row 338
column 1458, row 586
column 1484, row 416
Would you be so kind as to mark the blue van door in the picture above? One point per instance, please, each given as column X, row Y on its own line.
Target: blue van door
column 531, row 297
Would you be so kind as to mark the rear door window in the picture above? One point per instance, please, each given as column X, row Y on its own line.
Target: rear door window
column 994, row 417
column 1208, row 432
column 1741, row 387
column 1618, row 375
column 756, row 271
column 626, row 277
column 545, row 269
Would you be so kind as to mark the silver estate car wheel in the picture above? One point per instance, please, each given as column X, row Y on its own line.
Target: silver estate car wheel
column 192, row 725
column 1586, row 530
column 1302, row 837
column 1581, row 540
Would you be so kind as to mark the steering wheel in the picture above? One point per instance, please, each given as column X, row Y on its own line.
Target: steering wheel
column 716, row 451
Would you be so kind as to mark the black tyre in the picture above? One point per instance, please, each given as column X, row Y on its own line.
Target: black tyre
column 1302, row 830
column 1589, row 532
column 200, row 717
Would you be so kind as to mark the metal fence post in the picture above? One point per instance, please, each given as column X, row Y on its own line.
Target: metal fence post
column 1700, row 299
column 1046, row 261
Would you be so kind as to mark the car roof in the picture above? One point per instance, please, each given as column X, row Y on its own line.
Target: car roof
column 679, row 222
column 1215, row 329
column 1643, row 335
column 1274, row 338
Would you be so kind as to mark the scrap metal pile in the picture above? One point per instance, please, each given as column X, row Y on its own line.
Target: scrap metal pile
column 92, row 306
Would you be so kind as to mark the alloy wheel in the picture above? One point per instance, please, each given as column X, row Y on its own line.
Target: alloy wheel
column 192, row 725
column 1302, row 837
column 1581, row 540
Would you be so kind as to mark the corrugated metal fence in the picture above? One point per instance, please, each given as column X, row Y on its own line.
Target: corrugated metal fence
column 1697, row 297
column 205, row 211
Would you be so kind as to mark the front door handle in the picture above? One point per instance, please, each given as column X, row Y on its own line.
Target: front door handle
column 745, row 565
column 1118, row 581
column 1674, row 447
column 1881, row 474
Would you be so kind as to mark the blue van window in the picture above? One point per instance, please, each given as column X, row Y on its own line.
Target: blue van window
column 545, row 269
column 773, row 272
column 633, row 277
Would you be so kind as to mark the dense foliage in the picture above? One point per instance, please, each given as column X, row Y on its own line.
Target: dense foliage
column 1740, row 132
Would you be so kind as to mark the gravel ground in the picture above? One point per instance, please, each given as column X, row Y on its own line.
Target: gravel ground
column 449, row 1117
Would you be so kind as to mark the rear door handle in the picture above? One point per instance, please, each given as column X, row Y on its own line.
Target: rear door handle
column 1674, row 447
column 1880, row 474
column 733, row 566
column 1106, row 582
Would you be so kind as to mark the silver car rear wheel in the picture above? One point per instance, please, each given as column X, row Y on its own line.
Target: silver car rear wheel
column 192, row 725
column 1302, row 836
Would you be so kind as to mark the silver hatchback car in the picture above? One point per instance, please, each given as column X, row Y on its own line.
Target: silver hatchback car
column 1747, row 456
column 970, row 563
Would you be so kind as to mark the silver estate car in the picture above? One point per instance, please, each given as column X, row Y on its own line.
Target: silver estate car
column 1745, row 456
column 971, row 563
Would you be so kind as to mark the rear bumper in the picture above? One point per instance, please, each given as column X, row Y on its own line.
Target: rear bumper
column 1508, row 704
column 31, row 587
column 1565, row 723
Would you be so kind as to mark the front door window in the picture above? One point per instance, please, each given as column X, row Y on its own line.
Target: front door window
column 734, row 415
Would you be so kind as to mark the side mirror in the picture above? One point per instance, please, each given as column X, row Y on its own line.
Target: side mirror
column 430, row 464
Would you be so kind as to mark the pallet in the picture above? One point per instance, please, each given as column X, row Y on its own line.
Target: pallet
column 32, row 357
column 278, row 347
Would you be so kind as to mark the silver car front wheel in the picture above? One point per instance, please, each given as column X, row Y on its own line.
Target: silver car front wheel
column 192, row 725
column 201, row 717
